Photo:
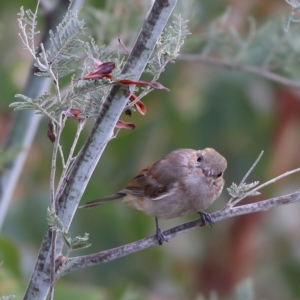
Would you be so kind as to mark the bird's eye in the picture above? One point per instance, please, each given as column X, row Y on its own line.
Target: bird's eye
column 219, row 175
column 200, row 158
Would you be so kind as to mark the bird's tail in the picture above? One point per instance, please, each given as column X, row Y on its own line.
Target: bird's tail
column 102, row 200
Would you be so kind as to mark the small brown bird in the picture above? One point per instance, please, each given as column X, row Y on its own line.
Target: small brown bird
column 183, row 182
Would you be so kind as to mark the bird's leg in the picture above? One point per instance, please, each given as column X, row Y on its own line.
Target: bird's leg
column 206, row 218
column 159, row 234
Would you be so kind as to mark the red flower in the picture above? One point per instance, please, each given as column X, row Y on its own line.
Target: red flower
column 50, row 132
column 102, row 70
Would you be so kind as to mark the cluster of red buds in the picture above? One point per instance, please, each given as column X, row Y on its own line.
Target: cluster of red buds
column 103, row 70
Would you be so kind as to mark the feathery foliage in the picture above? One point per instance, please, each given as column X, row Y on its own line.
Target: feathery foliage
column 43, row 104
column 87, row 96
column 264, row 46
column 238, row 191
column 27, row 17
column 62, row 43
column 168, row 45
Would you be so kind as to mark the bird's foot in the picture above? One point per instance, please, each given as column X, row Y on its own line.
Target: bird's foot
column 160, row 236
column 206, row 218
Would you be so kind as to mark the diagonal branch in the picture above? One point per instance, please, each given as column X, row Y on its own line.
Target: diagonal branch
column 102, row 132
column 217, row 62
column 76, row 263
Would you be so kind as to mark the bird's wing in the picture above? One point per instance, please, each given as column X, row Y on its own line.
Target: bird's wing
column 149, row 183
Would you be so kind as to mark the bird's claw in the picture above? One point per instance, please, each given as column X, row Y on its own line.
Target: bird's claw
column 206, row 218
column 160, row 236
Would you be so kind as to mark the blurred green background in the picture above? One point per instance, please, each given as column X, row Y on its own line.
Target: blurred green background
column 256, row 256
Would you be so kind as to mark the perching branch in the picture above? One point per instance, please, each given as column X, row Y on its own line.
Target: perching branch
column 230, row 210
column 217, row 62
column 76, row 263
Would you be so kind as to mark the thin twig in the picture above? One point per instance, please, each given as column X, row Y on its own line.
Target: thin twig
column 62, row 155
column 52, row 264
column 66, row 166
column 263, row 185
column 123, row 45
column 115, row 134
column 57, row 147
column 24, row 39
column 33, row 27
column 253, row 166
column 54, row 78
column 51, row 294
column 239, row 67
column 76, row 263
column 246, row 176
column 140, row 96
column 52, row 175
column 61, row 268
column 41, row 65
column 80, row 126
column 48, row 115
